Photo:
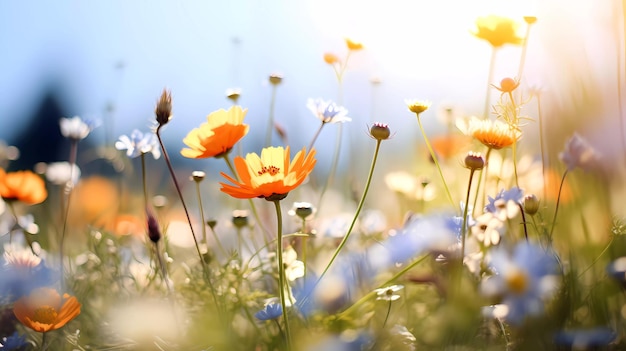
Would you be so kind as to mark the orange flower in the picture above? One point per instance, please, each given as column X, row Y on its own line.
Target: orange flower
column 270, row 176
column 330, row 58
column 218, row 135
column 44, row 310
column 24, row 186
column 493, row 134
column 497, row 30
column 448, row 146
column 353, row 45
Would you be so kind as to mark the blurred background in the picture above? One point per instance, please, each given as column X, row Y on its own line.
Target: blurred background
column 111, row 60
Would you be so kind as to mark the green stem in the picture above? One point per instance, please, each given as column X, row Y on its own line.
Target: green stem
column 465, row 210
column 270, row 123
column 143, row 180
column 303, row 242
column 281, row 271
column 543, row 162
column 372, row 293
column 514, row 146
column 387, row 316
column 182, row 200
column 356, row 214
column 558, row 200
column 434, row 157
column 335, row 162
column 68, row 190
column 43, row 341
column 317, row 133
column 489, row 78
column 480, row 178
column 521, row 209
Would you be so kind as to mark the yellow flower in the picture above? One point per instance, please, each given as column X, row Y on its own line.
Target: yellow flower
column 271, row 176
column 24, row 186
column 497, row 30
column 218, row 135
column 353, row 45
column 44, row 310
column 330, row 58
column 417, row 106
column 493, row 134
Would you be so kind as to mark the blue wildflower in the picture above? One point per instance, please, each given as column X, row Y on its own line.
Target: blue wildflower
column 138, row 144
column 590, row 339
column 22, row 272
column 328, row 111
column 525, row 279
column 514, row 194
column 272, row 310
column 579, row 153
column 13, row 342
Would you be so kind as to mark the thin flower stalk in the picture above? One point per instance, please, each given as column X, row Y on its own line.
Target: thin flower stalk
column 434, row 157
column 492, row 62
column 541, row 144
column 66, row 210
column 558, row 200
column 182, row 200
column 465, row 212
column 270, row 123
column 356, row 214
column 521, row 208
column 202, row 218
column 143, row 180
column 373, row 293
column 480, row 177
column 281, row 271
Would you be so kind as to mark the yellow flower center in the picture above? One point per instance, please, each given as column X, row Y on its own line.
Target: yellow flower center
column 517, row 281
column 272, row 170
column 45, row 314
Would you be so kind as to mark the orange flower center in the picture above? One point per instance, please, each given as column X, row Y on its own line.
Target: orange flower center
column 272, row 170
column 517, row 281
column 45, row 314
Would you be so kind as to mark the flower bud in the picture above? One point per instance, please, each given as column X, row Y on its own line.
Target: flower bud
column 240, row 218
column 417, row 106
column 507, row 85
column 197, row 176
column 154, row 232
column 474, row 161
column 233, row 95
column 303, row 209
column 380, row 131
column 330, row 58
column 163, row 109
column 353, row 45
column 530, row 19
column 276, row 78
column 531, row 204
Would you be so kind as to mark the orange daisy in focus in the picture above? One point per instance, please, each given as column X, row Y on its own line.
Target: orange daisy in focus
column 24, row 186
column 497, row 30
column 218, row 135
column 44, row 310
column 493, row 134
column 271, row 176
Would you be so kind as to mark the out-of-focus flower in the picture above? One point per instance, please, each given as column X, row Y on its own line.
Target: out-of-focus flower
column 531, row 204
column 22, row 272
column 138, row 144
column 61, row 173
column 506, row 204
column 218, row 135
column 402, row 182
column 353, row 45
column 493, row 134
column 585, row 339
column 240, row 218
column 276, row 78
column 328, row 111
column 294, row 269
column 330, row 58
column 448, row 146
column 488, row 229
column 271, row 176
column 497, row 30
column 95, row 201
column 77, row 128
column 163, row 110
column 417, row 106
column 388, row 293
column 303, row 210
column 154, row 230
column 372, row 222
column 271, row 310
column 579, row 153
column 44, row 309
column 233, row 94
column 402, row 337
column 507, row 85
column 524, row 280
column 24, row 186
column 14, row 342
column 617, row 270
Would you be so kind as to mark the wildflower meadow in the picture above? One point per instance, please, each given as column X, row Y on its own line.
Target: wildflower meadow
column 491, row 234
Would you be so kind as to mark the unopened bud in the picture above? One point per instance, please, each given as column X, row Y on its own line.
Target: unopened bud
column 154, row 232
column 163, row 109
column 197, row 176
column 474, row 161
column 240, row 218
column 380, row 131
column 531, row 204
column 276, row 78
